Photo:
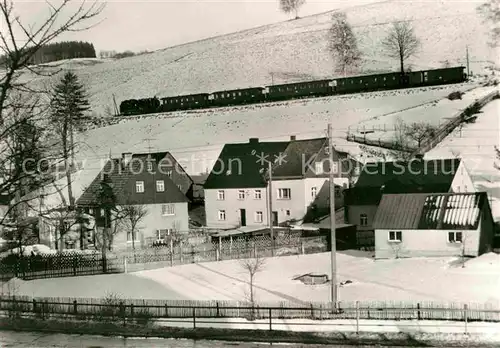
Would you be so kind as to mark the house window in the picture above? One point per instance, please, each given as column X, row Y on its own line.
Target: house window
column 241, row 194
column 150, row 166
column 101, row 212
column 139, row 186
column 258, row 216
column 162, row 234
column 318, row 168
column 258, row 194
column 168, row 209
column 287, row 212
column 455, row 237
column 160, row 186
column 395, row 236
column 169, row 173
column 314, row 192
column 284, row 193
column 222, row 215
column 220, row 195
column 180, row 187
column 363, row 220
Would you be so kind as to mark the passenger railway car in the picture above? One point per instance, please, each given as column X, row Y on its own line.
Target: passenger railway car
column 238, row 96
column 184, row 102
column 351, row 84
column 299, row 89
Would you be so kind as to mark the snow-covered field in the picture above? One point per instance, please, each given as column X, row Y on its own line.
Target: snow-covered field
column 417, row 279
column 203, row 133
column 289, row 51
column 435, row 114
column 475, row 144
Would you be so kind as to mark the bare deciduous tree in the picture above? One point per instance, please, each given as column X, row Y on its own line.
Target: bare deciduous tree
column 343, row 44
column 20, row 41
column 288, row 6
column 490, row 11
column 130, row 217
column 419, row 131
column 407, row 138
column 19, row 44
column 252, row 267
column 401, row 42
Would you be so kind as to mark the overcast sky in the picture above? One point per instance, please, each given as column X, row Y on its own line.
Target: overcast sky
column 155, row 24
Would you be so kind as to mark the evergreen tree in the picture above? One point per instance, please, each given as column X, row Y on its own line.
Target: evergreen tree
column 343, row 43
column 68, row 106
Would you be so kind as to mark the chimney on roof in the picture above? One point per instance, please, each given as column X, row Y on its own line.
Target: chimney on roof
column 126, row 158
column 253, row 140
column 292, row 137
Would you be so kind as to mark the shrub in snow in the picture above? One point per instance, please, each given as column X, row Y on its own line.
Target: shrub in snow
column 455, row 95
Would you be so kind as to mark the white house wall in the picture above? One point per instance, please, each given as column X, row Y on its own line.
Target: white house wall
column 232, row 205
column 309, row 183
column 425, row 243
column 155, row 220
column 296, row 205
column 462, row 181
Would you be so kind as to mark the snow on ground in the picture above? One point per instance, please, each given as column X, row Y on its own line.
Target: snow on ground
column 416, row 279
column 291, row 51
column 203, row 133
column 196, row 138
column 475, row 144
column 98, row 286
column 435, row 114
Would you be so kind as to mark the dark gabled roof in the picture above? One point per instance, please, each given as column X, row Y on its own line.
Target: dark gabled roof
column 291, row 160
column 367, row 195
column 161, row 159
column 238, row 165
column 120, row 177
column 423, row 211
column 297, row 154
column 413, row 173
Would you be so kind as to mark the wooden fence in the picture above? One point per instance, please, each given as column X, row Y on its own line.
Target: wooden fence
column 427, row 144
column 115, row 309
column 59, row 265
column 449, row 126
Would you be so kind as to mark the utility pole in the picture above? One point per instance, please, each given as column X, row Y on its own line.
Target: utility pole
column 270, row 198
column 467, row 57
column 333, row 243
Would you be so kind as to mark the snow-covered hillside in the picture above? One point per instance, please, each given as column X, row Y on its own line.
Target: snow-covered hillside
column 197, row 137
column 289, row 51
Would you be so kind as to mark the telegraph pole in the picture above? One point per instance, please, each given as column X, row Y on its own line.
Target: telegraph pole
column 270, row 198
column 467, row 57
column 333, row 243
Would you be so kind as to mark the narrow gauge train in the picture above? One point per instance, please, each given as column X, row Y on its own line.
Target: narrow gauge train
column 353, row 84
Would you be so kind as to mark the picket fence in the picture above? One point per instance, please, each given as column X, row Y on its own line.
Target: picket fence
column 60, row 265
column 116, row 308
